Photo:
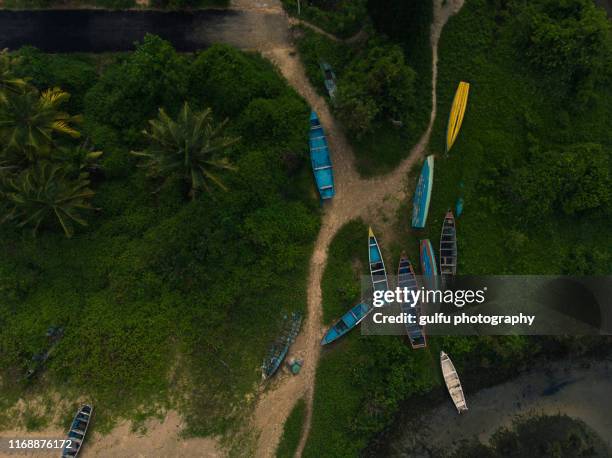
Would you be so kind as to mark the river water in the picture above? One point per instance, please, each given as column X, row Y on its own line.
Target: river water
column 581, row 390
column 103, row 31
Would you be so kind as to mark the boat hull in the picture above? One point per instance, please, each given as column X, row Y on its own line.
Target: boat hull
column 378, row 272
column 348, row 321
column 453, row 384
column 407, row 279
column 428, row 264
column 422, row 194
column 455, row 118
column 320, row 159
column 448, row 246
column 78, row 431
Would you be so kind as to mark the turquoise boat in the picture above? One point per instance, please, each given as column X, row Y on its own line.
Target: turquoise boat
column 406, row 279
column 348, row 321
column 320, row 160
column 459, row 206
column 428, row 264
column 377, row 265
column 422, row 194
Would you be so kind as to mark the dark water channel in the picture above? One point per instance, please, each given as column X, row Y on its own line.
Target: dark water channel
column 102, row 31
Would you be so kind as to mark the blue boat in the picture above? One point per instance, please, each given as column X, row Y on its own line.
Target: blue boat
column 348, row 321
column 428, row 264
column 422, row 195
column 377, row 265
column 77, row 432
column 459, row 207
column 406, row 279
column 319, row 157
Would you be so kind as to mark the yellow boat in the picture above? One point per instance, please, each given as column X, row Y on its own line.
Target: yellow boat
column 456, row 115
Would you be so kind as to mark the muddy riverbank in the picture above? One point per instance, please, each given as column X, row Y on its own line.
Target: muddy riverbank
column 579, row 389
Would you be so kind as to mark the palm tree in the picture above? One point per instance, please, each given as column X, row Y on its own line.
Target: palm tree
column 28, row 120
column 190, row 146
column 8, row 81
column 44, row 191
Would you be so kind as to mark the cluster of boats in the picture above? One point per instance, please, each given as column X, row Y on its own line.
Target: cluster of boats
column 406, row 278
column 431, row 270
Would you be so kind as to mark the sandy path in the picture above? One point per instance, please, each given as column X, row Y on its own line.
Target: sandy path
column 355, row 197
column 161, row 439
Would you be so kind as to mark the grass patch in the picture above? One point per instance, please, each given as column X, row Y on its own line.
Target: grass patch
column 292, row 431
column 507, row 106
column 346, row 260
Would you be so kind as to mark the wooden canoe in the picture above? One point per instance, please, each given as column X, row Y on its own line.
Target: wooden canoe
column 320, row 159
column 422, row 194
column 329, row 78
column 448, row 246
column 348, row 321
column 429, row 268
column 451, row 378
column 407, row 279
column 455, row 118
column 78, row 429
column 377, row 265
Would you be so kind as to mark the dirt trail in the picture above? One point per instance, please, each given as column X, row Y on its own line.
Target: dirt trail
column 355, row 197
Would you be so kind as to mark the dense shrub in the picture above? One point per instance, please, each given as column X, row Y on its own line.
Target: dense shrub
column 129, row 94
column 228, row 80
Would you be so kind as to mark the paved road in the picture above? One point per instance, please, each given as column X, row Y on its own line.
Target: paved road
column 101, row 31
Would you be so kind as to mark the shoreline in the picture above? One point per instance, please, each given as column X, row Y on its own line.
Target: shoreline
column 578, row 388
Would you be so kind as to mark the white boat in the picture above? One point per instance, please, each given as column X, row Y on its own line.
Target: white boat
column 452, row 382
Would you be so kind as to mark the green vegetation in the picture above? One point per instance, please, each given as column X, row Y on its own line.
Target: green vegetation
column 533, row 165
column 342, row 18
column 346, row 259
column 189, row 147
column 381, row 86
column 164, row 301
column 541, row 436
column 292, row 431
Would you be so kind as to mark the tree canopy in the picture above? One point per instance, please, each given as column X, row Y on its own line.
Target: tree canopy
column 378, row 85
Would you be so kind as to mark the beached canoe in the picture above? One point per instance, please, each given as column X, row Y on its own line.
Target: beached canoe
column 429, row 269
column 77, row 432
column 448, row 246
column 407, row 279
column 320, row 159
column 451, row 378
column 377, row 265
column 348, row 321
column 329, row 79
column 422, row 194
column 455, row 118
column 280, row 348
